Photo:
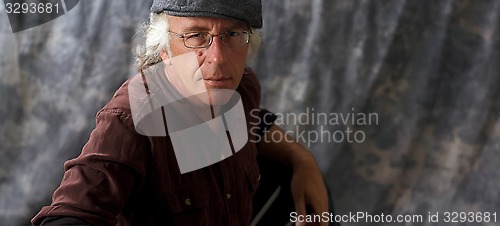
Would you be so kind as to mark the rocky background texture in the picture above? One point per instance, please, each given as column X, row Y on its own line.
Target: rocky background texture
column 429, row 70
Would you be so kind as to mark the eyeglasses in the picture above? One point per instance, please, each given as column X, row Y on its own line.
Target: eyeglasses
column 197, row 40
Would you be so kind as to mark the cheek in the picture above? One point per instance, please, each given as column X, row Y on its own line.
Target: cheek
column 238, row 59
column 177, row 48
column 244, row 54
column 240, row 63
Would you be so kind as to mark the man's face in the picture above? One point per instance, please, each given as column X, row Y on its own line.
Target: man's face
column 206, row 69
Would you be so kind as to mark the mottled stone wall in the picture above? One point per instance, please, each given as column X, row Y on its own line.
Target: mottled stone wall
column 53, row 79
column 430, row 71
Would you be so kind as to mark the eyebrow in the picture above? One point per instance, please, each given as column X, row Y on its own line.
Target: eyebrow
column 195, row 28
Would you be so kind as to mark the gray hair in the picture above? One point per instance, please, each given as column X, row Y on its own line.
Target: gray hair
column 156, row 39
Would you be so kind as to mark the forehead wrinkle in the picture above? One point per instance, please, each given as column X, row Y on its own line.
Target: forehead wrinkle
column 196, row 28
column 226, row 26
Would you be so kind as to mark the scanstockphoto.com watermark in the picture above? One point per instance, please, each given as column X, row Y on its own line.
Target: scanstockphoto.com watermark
column 310, row 126
column 455, row 218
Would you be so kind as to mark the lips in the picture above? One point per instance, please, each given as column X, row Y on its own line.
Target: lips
column 219, row 82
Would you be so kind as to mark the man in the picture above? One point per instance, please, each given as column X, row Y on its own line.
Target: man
column 137, row 167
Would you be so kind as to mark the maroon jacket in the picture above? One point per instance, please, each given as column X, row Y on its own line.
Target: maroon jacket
column 124, row 178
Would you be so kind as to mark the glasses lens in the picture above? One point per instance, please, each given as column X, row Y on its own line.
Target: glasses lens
column 204, row 39
column 236, row 38
column 197, row 40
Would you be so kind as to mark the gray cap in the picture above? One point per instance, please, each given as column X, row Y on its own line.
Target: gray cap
column 246, row 10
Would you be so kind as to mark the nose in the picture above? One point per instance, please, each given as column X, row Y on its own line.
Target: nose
column 215, row 53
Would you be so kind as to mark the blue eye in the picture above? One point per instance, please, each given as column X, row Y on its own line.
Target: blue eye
column 194, row 35
column 233, row 33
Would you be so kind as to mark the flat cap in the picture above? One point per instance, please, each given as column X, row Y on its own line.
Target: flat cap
column 245, row 10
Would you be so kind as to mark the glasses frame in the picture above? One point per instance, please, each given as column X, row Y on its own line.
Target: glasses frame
column 211, row 36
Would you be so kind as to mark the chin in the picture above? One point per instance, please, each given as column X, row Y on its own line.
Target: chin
column 219, row 97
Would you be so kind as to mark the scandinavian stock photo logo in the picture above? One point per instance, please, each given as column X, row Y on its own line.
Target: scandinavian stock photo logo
column 206, row 126
column 309, row 127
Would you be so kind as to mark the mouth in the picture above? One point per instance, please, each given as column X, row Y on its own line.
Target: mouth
column 219, row 82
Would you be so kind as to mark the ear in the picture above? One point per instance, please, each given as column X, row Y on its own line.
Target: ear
column 165, row 57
